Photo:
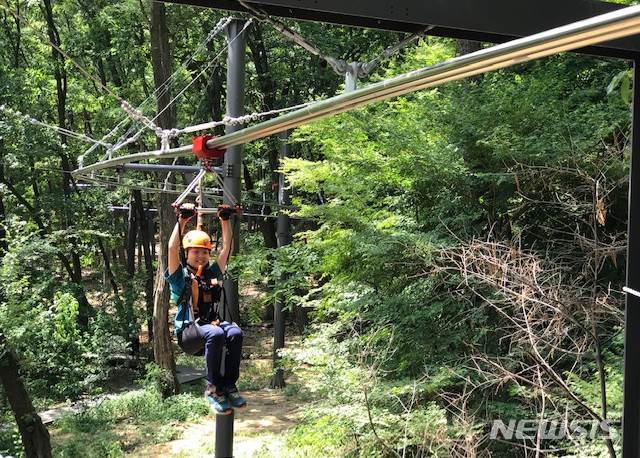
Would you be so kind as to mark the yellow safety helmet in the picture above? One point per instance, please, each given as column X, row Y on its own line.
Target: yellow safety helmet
column 197, row 239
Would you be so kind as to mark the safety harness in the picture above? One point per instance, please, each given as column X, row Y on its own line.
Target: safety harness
column 200, row 300
column 203, row 296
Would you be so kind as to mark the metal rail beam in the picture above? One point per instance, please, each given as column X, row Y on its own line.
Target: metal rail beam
column 495, row 21
column 167, row 168
column 601, row 28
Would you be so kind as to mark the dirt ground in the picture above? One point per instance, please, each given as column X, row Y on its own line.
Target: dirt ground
column 258, row 428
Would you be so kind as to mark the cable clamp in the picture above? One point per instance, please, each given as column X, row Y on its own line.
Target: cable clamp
column 202, row 152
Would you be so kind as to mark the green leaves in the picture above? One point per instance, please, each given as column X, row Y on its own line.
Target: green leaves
column 623, row 82
column 65, row 308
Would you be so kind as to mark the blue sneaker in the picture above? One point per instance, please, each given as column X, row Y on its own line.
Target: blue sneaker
column 236, row 399
column 218, row 401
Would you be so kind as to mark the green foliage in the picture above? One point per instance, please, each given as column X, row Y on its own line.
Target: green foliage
column 157, row 379
column 324, row 435
column 140, row 406
column 524, row 156
column 511, row 153
column 100, row 444
column 10, row 441
column 101, row 430
column 354, row 413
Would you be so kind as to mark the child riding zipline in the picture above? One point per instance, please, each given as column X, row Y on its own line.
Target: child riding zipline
column 196, row 288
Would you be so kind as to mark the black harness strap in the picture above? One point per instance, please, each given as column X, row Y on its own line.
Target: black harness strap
column 214, row 309
column 185, row 297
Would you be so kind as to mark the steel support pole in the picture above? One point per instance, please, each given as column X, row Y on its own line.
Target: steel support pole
column 631, row 407
column 351, row 76
column 284, row 194
column 224, row 435
column 283, row 235
column 233, row 157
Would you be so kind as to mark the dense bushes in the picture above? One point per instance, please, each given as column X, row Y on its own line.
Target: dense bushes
column 531, row 160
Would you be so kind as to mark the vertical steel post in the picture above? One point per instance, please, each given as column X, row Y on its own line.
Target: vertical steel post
column 231, row 175
column 631, row 407
column 233, row 157
column 283, row 230
column 224, row 435
column 283, row 235
column 351, row 76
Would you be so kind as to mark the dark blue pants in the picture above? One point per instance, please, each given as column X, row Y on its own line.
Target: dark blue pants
column 221, row 372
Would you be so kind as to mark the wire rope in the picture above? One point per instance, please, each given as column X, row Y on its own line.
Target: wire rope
column 107, row 180
column 61, row 130
column 214, row 60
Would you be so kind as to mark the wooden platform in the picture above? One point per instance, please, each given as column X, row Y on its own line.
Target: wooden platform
column 187, row 374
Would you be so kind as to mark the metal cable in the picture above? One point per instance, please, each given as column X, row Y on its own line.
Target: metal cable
column 58, row 129
column 172, row 131
column 159, row 91
column 338, row 65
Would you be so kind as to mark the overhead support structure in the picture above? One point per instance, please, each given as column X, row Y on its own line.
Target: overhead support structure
column 599, row 29
column 573, row 36
column 232, row 196
column 351, row 71
column 494, row 21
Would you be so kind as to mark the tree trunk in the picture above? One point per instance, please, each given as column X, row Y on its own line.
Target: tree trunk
column 160, row 59
column 301, row 315
column 107, row 266
column 152, row 234
column 132, row 235
column 261, row 63
column 267, row 87
column 467, row 46
column 162, row 349
column 161, row 63
column 60, row 75
column 4, row 245
column 15, row 38
column 214, row 98
column 277, row 380
column 35, row 436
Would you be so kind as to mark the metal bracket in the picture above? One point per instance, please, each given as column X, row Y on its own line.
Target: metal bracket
column 189, row 188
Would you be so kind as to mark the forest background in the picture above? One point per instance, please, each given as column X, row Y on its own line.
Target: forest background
column 458, row 253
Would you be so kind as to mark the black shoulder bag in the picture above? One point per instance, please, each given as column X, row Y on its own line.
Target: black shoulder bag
column 190, row 337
